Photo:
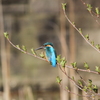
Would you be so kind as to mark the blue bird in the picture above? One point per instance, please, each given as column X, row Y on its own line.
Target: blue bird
column 50, row 53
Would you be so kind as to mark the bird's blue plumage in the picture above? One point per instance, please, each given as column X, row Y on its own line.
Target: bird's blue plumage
column 50, row 53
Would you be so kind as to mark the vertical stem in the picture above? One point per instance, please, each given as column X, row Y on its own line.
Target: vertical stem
column 5, row 73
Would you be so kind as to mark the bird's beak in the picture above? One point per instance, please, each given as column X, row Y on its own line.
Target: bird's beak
column 42, row 47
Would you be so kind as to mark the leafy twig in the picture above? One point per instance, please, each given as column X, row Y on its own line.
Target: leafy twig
column 59, row 60
column 92, row 13
column 23, row 49
column 78, row 30
column 69, row 91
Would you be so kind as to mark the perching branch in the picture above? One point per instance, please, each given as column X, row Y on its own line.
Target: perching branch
column 62, row 64
column 42, row 58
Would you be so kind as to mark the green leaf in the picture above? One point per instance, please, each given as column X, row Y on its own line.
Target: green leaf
column 85, row 88
column 97, row 10
column 90, row 81
column 64, row 6
column 89, row 7
column 90, row 84
column 58, row 58
column 67, row 88
column 98, row 46
column 80, row 30
column 80, row 83
column 63, row 62
column 95, row 88
column 42, row 55
column 24, row 48
column 6, row 34
column 73, row 23
column 18, row 46
column 97, row 69
column 74, row 64
column 33, row 51
column 73, row 77
column 87, row 37
column 86, row 65
column 89, row 88
column 58, row 80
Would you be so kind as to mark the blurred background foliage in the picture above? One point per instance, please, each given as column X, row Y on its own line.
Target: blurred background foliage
column 34, row 22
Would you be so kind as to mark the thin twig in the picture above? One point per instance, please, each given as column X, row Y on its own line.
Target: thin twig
column 80, row 32
column 92, row 13
column 83, row 70
column 72, row 92
column 74, row 82
column 25, row 51
column 70, row 78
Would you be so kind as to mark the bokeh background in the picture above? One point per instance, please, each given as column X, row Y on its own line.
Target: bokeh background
column 34, row 22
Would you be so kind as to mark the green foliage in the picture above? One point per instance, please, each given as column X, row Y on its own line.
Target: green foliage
column 90, row 84
column 73, row 23
column 85, row 88
column 73, row 77
column 87, row 36
column 80, row 30
column 86, row 65
column 97, row 69
column 89, row 7
column 80, row 83
column 97, row 10
column 74, row 64
column 6, row 34
column 42, row 55
column 67, row 88
column 24, row 48
column 90, row 87
column 58, row 58
column 95, row 88
column 64, row 6
column 98, row 46
column 61, row 61
column 58, row 80
column 33, row 51
column 18, row 46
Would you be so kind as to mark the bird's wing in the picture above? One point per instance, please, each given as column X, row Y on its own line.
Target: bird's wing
column 53, row 59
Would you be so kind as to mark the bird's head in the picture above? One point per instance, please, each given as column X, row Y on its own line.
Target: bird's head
column 45, row 45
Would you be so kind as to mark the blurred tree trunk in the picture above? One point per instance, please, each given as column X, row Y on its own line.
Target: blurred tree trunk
column 5, row 71
column 31, row 3
column 72, row 49
column 83, row 93
column 64, row 51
